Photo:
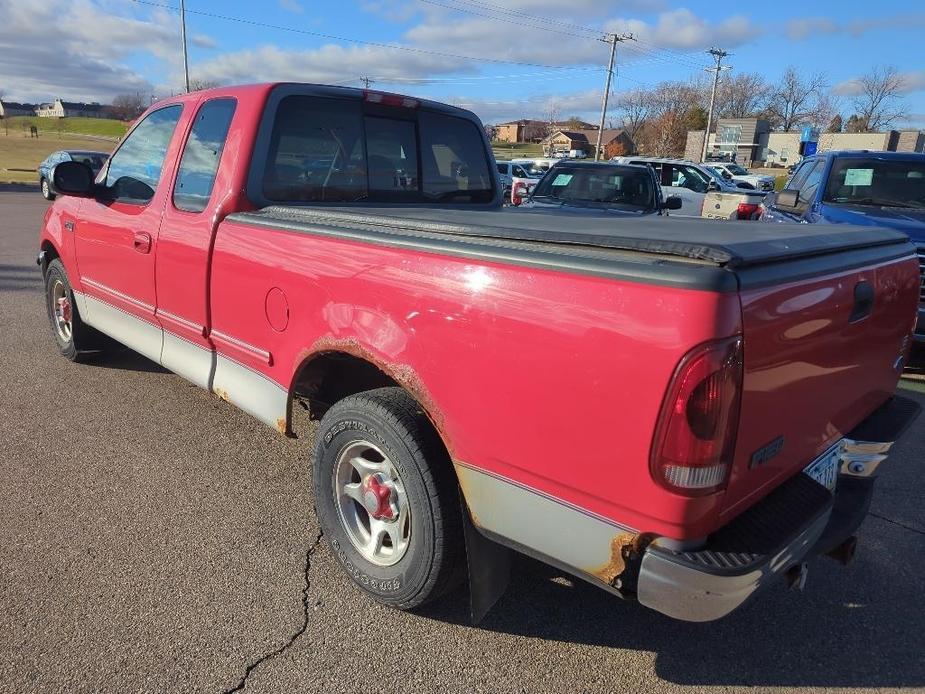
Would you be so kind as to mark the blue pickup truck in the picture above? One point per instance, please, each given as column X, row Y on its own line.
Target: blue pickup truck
column 863, row 188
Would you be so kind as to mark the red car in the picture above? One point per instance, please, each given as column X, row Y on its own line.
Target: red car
column 675, row 411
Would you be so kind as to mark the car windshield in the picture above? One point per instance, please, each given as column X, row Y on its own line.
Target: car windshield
column 620, row 186
column 877, row 182
column 736, row 170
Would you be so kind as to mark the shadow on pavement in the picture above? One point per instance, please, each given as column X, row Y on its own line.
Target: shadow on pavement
column 117, row 356
column 859, row 626
column 17, row 278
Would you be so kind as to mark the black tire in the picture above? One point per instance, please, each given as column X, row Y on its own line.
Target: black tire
column 434, row 561
column 82, row 338
column 46, row 189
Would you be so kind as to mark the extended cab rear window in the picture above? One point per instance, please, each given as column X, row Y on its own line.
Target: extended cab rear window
column 334, row 150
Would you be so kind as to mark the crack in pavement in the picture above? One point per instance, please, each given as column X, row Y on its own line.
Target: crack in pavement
column 895, row 522
column 242, row 683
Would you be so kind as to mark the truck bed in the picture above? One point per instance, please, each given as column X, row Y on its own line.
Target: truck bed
column 668, row 250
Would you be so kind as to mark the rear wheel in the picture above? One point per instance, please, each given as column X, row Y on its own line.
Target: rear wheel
column 73, row 337
column 46, row 190
column 387, row 499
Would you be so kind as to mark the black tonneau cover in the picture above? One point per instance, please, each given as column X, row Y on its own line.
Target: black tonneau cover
column 728, row 244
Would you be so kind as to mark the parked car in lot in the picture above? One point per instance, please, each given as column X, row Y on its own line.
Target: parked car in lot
column 615, row 188
column 884, row 189
column 537, row 167
column 692, row 182
column 512, row 173
column 94, row 160
column 734, row 172
column 637, row 401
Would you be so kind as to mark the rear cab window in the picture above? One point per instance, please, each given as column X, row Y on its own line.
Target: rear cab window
column 341, row 149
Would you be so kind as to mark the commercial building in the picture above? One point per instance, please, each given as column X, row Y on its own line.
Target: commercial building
column 528, row 130
column 751, row 142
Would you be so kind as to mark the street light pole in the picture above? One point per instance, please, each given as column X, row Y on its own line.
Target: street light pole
column 718, row 55
column 612, row 39
column 183, row 39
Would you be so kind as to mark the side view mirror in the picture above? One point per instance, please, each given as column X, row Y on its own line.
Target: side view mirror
column 672, row 202
column 73, row 178
column 725, row 174
column 788, row 198
column 712, row 185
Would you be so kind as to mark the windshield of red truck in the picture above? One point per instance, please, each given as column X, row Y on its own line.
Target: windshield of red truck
column 332, row 150
column 621, row 186
column 877, row 182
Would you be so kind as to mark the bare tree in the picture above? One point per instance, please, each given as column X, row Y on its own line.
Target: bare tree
column 201, row 85
column 879, row 103
column 797, row 100
column 635, row 107
column 741, row 95
column 128, row 106
column 674, row 108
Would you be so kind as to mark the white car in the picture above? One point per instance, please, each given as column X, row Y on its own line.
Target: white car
column 738, row 173
column 512, row 173
column 689, row 181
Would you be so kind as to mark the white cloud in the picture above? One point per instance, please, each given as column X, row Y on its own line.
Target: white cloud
column 328, row 64
column 203, row 41
column 291, row 6
column 808, row 27
column 76, row 50
column 682, row 29
column 913, row 81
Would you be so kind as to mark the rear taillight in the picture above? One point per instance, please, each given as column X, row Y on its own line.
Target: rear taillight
column 518, row 193
column 747, row 210
column 696, row 433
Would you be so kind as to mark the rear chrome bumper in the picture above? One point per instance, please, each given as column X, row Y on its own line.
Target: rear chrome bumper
column 798, row 520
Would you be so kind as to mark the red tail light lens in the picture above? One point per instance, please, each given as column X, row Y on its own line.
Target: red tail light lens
column 696, row 433
column 747, row 210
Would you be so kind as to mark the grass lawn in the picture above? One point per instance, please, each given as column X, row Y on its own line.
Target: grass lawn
column 98, row 127
column 505, row 150
column 18, row 152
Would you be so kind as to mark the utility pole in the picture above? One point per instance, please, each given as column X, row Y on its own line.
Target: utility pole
column 613, row 40
column 183, row 38
column 718, row 55
column 367, row 81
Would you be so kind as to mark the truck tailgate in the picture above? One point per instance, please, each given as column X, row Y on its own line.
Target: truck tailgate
column 820, row 355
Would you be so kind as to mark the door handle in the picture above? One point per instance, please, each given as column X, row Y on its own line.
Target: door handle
column 142, row 242
column 863, row 301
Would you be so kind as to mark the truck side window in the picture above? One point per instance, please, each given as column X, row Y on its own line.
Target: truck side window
column 202, row 154
column 810, row 184
column 135, row 169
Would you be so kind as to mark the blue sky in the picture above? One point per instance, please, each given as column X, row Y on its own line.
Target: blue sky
column 526, row 67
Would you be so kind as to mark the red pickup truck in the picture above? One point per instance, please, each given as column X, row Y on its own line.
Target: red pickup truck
column 675, row 411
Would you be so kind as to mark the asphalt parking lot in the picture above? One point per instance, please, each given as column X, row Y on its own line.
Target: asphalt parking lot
column 155, row 539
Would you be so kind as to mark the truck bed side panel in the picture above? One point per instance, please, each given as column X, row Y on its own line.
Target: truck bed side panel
column 549, row 380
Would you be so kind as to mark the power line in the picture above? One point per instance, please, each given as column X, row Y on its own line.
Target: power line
column 525, row 15
column 532, row 22
column 333, row 37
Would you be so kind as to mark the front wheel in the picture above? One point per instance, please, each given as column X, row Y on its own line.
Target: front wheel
column 46, row 190
column 73, row 337
column 386, row 498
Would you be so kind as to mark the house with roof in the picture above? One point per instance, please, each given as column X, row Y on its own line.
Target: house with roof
column 8, row 109
column 529, row 130
column 614, row 142
column 72, row 109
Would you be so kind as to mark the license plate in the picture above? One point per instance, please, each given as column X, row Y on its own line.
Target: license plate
column 824, row 469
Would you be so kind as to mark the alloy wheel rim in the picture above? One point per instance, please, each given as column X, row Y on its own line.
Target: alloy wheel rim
column 372, row 503
column 63, row 311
